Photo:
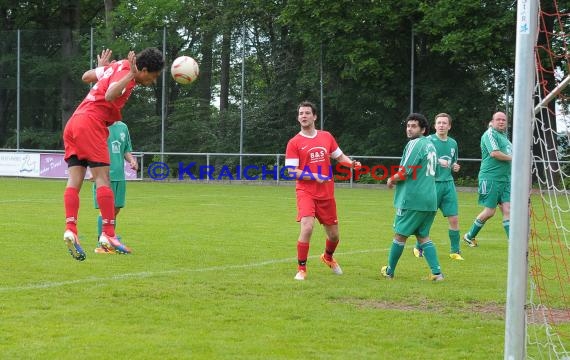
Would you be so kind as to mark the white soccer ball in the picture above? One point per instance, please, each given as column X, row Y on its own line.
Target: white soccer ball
column 184, row 70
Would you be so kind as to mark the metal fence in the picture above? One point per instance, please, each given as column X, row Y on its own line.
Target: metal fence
column 247, row 167
column 40, row 78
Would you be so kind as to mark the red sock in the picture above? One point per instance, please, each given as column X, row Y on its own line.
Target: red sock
column 106, row 201
column 71, row 204
column 330, row 247
column 302, row 254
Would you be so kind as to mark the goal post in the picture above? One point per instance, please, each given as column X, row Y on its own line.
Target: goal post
column 523, row 115
column 537, row 319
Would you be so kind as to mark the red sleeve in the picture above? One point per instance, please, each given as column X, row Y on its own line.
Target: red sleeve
column 292, row 151
column 333, row 144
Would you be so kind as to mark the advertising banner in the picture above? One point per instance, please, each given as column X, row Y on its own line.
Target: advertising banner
column 19, row 164
column 48, row 165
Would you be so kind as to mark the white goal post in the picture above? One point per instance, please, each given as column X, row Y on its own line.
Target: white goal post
column 523, row 115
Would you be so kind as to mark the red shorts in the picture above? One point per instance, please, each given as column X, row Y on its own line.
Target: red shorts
column 86, row 138
column 323, row 210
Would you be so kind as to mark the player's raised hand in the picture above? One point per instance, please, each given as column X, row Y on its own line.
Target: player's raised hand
column 105, row 58
column 132, row 58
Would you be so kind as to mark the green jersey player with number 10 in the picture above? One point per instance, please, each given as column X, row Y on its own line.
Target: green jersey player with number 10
column 415, row 199
column 447, row 154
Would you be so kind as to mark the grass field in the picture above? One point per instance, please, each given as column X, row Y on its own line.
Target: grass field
column 211, row 277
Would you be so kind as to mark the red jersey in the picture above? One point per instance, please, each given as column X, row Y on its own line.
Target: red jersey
column 312, row 155
column 95, row 104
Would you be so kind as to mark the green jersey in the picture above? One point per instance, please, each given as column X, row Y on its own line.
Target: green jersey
column 417, row 191
column 119, row 143
column 446, row 151
column 491, row 168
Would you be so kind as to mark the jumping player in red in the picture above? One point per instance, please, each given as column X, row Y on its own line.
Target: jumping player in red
column 308, row 160
column 85, row 140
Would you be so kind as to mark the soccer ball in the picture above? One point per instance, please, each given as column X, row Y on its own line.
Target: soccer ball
column 184, row 70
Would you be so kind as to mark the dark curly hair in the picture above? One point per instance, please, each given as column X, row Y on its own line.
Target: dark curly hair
column 151, row 59
column 422, row 121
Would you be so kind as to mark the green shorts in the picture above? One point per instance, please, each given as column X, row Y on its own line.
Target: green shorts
column 492, row 193
column 119, row 190
column 447, row 198
column 413, row 222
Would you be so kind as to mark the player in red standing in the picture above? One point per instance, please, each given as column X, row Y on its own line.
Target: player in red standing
column 308, row 160
column 85, row 140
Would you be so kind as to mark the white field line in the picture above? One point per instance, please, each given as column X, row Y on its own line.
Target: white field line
column 148, row 274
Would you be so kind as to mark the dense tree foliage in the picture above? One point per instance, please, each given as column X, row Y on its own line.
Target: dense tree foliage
column 462, row 59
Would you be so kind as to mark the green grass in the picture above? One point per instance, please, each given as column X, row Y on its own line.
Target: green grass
column 211, row 277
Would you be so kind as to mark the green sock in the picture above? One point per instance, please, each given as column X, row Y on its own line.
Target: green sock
column 99, row 226
column 454, row 240
column 395, row 252
column 507, row 226
column 475, row 228
column 430, row 254
column 417, row 244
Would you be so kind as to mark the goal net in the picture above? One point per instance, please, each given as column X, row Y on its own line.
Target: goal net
column 548, row 299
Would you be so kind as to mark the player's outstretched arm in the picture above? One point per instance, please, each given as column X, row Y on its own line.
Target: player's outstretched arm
column 346, row 161
column 116, row 89
column 89, row 76
column 104, row 59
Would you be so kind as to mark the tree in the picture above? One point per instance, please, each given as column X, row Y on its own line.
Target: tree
column 368, row 61
column 69, row 50
column 362, row 50
column 49, row 79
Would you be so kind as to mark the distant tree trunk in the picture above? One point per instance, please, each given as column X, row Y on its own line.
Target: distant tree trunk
column 109, row 7
column 70, row 22
column 225, row 70
column 3, row 114
column 204, row 88
column 7, row 24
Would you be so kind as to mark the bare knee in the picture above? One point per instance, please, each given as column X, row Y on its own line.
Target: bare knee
column 76, row 176
column 307, row 224
column 101, row 176
column 453, row 222
column 506, row 209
